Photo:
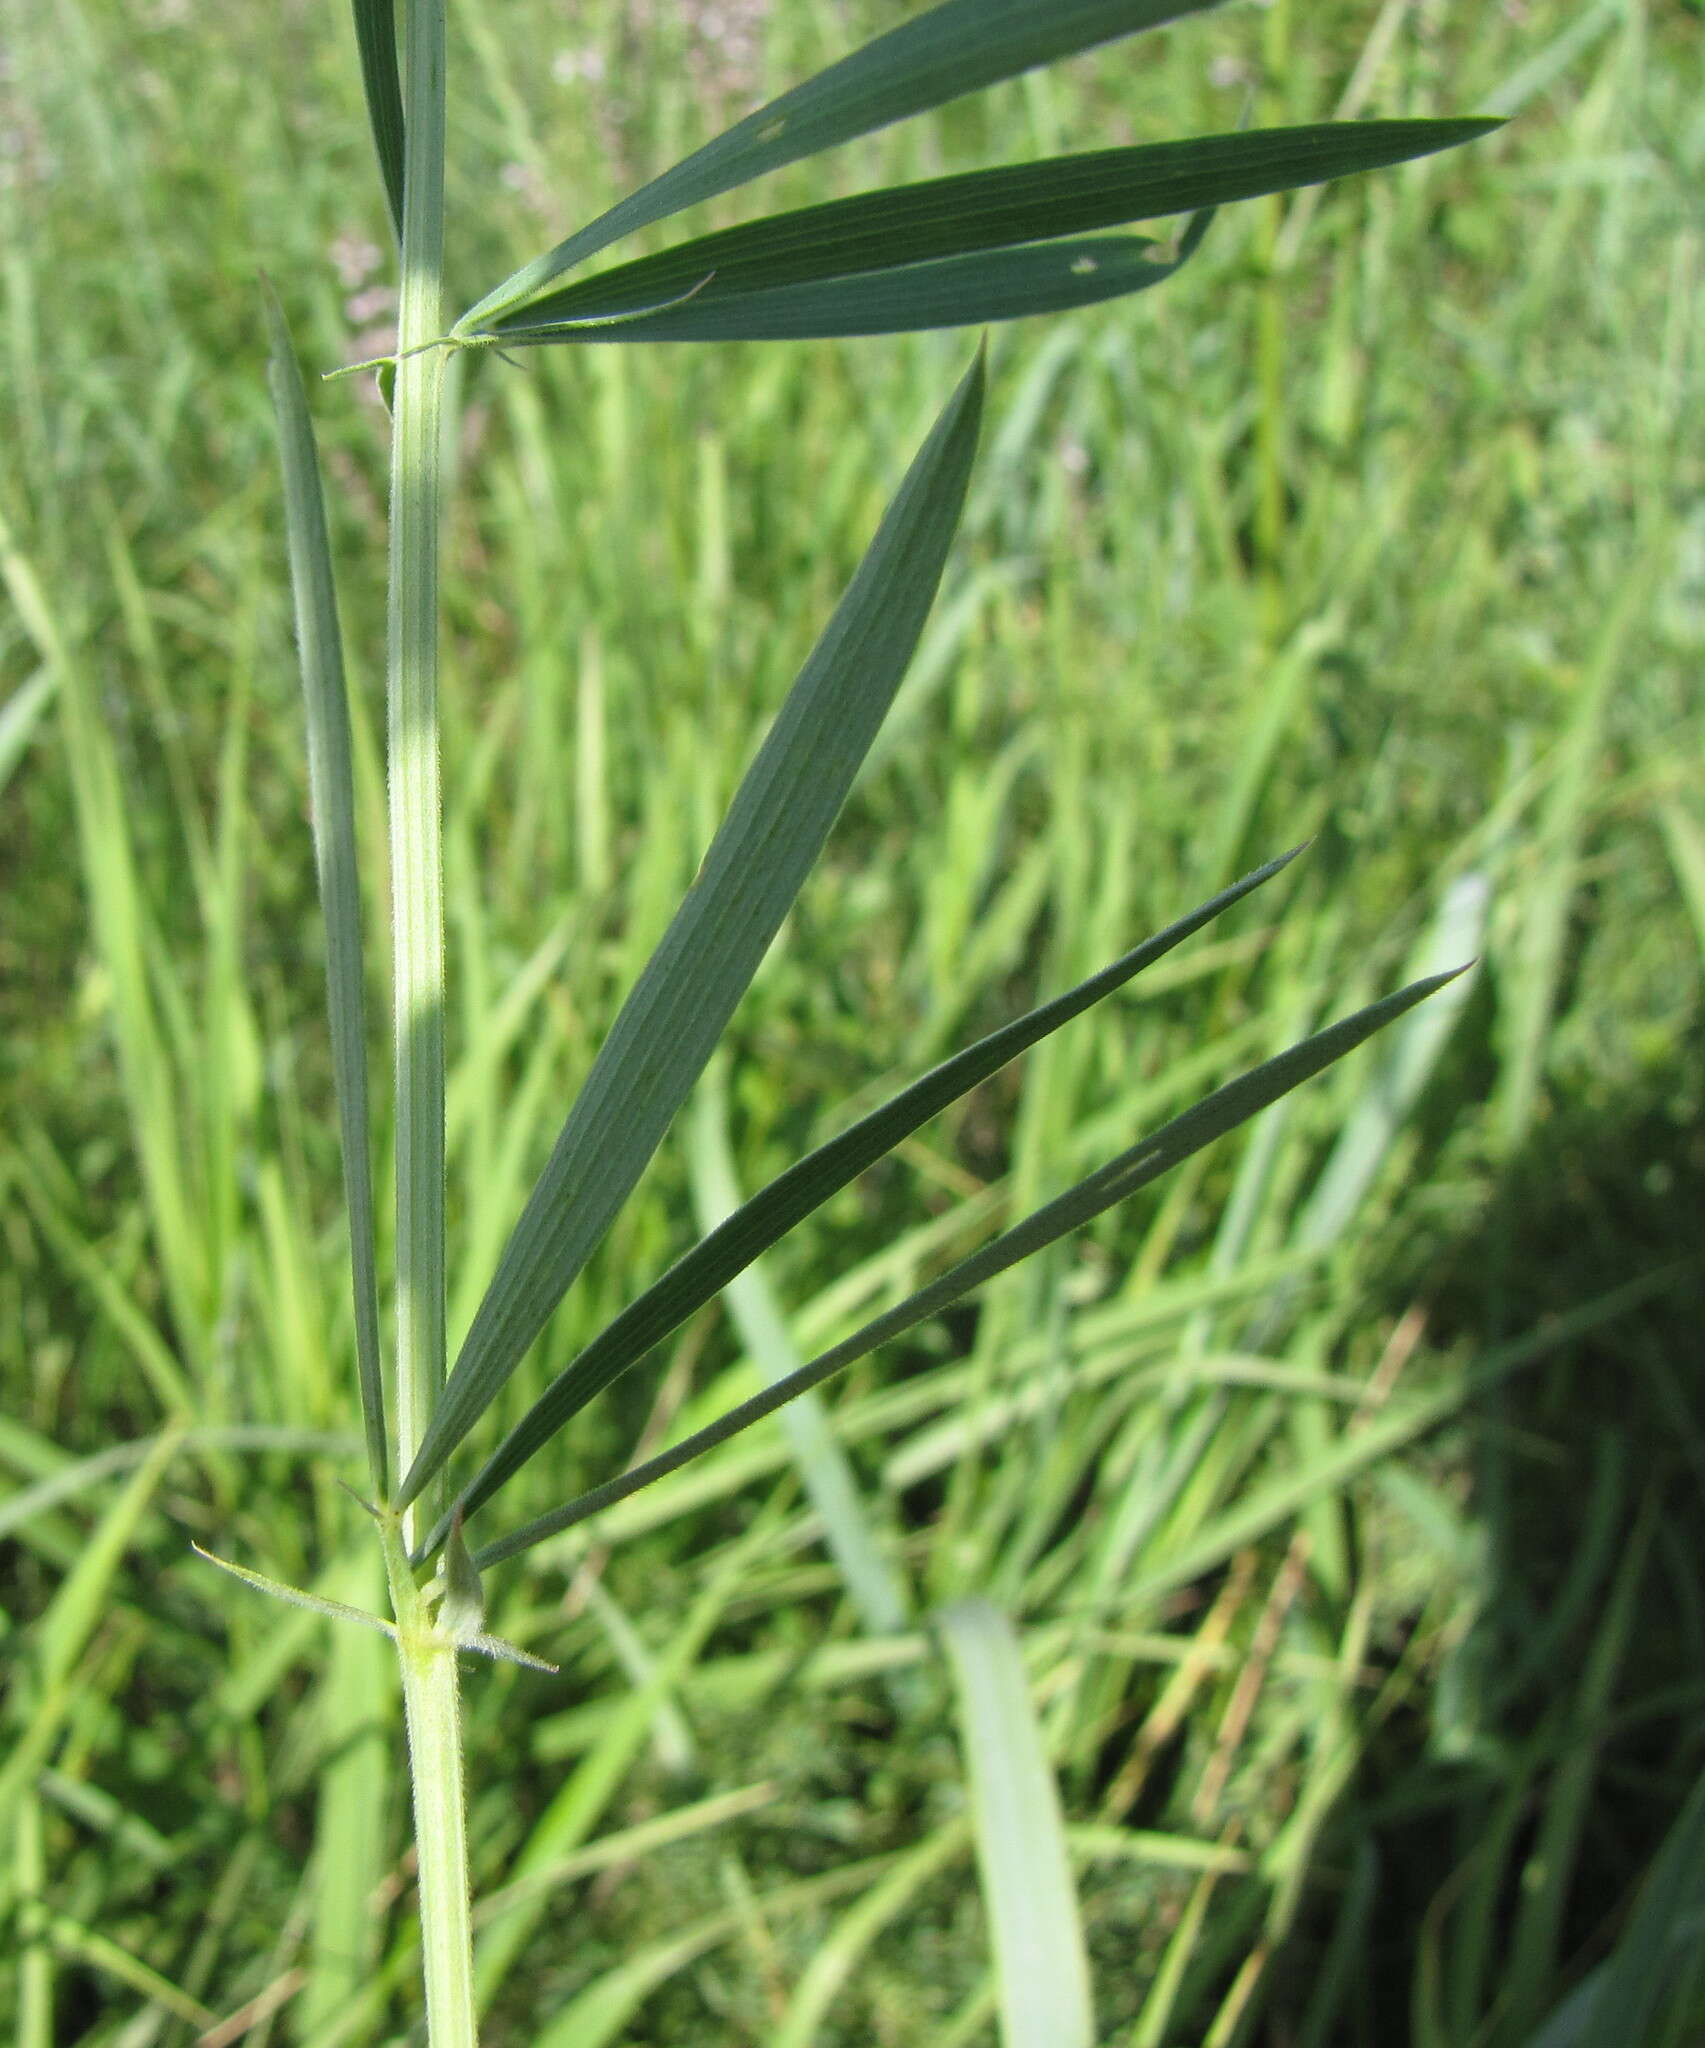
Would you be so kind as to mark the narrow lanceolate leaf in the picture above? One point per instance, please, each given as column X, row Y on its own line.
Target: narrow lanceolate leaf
column 376, row 36
column 757, row 1224
column 956, row 48
column 1174, row 1142
column 944, row 223
column 766, row 845
column 331, row 787
column 958, row 291
column 1035, row 1933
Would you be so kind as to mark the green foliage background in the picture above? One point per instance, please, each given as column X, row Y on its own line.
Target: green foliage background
column 1382, row 523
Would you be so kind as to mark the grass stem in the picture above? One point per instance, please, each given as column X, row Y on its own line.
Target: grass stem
column 432, row 1713
column 412, row 701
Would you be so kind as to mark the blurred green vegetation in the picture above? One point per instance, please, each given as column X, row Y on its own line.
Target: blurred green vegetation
column 1384, row 523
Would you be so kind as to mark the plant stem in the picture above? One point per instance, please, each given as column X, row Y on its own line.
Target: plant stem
column 432, row 1712
column 412, row 702
column 428, row 1658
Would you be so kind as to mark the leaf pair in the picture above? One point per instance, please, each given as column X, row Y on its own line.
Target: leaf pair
column 957, row 251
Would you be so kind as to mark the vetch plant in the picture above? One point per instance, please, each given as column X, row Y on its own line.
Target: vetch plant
column 953, row 251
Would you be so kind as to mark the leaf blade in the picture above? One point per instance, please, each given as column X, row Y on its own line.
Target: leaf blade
column 941, row 219
column 955, row 48
column 958, row 291
column 381, row 85
column 1174, row 1142
column 331, row 782
column 774, row 829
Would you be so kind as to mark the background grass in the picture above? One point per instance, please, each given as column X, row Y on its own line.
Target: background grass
column 1351, row 1519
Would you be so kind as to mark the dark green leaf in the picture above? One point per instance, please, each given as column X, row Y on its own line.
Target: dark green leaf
column 772, row 834
column 376, row 34
column 804, row 1187
column 331, row 785
column 956, row 48
column 958, row 291
column 976, row 212
column 1174, row 1142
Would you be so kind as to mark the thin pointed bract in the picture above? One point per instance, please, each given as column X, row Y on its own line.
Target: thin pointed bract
column 975, row 231
column 1174, row 1142
column 293, row 1596
column 953, row 49
column 376, row 37
column 331, row 785
column 670, row 1023
column 760, row 1222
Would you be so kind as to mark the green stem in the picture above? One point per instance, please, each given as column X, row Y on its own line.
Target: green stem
column 427, row 1656
column 412, row 700
column 432, row 1713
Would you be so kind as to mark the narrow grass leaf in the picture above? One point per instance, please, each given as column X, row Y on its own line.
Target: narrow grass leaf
column 774, row 830
column 1174, row 1142
column 331, row 783
column 946, row 220
column 376, row 37
column 954, row 49
column 703, row 1272
column 956, row 291
column 1041, row 1965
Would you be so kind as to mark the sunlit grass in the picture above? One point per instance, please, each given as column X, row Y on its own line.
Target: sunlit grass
column 1260, row 1652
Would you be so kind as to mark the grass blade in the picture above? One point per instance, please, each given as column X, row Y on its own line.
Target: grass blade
column 957, row 291
column 331, row 782
column 1173, row 1143
column 804, row 1187
column 376, row 36
column 956, row 48
column 774, row 830
column 1040, row 1961
column 949, row 219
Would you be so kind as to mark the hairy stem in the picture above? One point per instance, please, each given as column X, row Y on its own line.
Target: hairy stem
column 432, row 1713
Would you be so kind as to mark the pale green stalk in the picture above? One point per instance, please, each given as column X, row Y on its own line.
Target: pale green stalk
column 412, row 699
column 427, row 1656
column 432, row 1713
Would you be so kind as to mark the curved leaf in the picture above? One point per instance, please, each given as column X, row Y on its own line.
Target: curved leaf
column 331, row 784
column 772, row 834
